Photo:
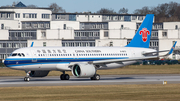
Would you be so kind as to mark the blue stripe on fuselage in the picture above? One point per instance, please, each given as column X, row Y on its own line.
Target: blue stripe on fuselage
column 12, row 62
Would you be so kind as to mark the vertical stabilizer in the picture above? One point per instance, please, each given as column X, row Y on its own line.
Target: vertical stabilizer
column 143, row 35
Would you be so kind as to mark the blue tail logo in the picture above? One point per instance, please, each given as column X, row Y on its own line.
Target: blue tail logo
column 143, row 35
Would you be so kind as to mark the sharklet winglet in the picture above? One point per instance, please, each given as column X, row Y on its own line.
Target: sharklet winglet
column 32, row 44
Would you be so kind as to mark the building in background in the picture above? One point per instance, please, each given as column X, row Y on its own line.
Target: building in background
column 21, row 25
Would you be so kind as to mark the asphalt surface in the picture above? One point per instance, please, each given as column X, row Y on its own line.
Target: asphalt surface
column 105, row 80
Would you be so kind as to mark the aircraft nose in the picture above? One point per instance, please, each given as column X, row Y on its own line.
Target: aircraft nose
column 5, row 62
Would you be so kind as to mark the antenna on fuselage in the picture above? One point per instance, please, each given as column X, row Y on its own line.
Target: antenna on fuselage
column 32, row 44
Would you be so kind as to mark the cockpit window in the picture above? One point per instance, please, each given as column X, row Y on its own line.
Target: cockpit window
column 14, row 54
column 22, row 55
column 19, row 54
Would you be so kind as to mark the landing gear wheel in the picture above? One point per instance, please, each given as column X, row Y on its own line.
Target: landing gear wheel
column 64, row 77
column 26, row 79
column 95, row 77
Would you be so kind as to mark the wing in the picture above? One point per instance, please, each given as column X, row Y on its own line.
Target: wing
column 137, row 58
column 102, row 62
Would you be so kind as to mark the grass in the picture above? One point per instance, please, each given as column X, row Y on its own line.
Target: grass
column 133, row 69
column 169, row 92
column 157, row 92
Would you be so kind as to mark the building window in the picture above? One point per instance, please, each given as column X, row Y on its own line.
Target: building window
column 122, row 26
column 106, row 34
column 72, row 17
column 154, row 34
column 64, row 26
column 8, row 15
column 3, row 15
column 45, row 16
column 134, row 17
column 29, row 15
column 44, row 44
column 164, row 34
column 176, row 27
column 43, row 34
column 2, row 26
column 17, row 15
column 1, row 45
column 127, row 18
column 140, row 18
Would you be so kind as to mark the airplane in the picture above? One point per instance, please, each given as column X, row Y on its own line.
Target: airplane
column 84, row 62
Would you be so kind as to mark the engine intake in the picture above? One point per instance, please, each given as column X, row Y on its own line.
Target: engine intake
column 83, row 70
column 39, row 73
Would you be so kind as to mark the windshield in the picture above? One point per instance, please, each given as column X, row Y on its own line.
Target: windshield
column 18, row 54
column 14, row 54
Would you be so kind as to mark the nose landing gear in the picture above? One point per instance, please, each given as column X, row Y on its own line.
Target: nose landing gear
column 95, row 77
column 27, row 76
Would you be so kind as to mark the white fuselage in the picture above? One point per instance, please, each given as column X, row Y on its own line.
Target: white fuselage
column 60, row 58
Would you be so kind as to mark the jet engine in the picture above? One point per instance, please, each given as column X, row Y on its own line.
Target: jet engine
column 38, row 73
column 83, row 70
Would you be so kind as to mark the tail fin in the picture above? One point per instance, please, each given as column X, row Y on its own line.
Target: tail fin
column 143, row 35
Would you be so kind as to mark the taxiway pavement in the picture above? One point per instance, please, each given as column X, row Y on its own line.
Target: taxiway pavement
column 105, row 80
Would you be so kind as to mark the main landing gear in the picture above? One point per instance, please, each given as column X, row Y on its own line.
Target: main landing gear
column 95, row 77
column 27, row 76
column 64, row 76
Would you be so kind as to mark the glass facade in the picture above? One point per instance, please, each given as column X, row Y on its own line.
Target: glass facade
column 72, row 17
column 127, row 18
column 78, row 43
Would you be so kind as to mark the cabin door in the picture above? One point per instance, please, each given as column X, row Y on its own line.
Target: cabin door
column 133, row 53
column 34, row 57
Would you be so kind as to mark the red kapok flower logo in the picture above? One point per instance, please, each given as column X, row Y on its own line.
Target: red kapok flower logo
column 144, row 33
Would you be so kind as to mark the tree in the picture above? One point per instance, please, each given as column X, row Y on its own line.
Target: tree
column 14, row 3
column 145, row 10
column 123, row 11
column 56, row 8
column 172, row 8
column 163, row 12
column 106, row 11
column 32, row 6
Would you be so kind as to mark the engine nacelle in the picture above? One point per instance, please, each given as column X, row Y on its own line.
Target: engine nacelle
column 39, row 73
column 83, row 70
